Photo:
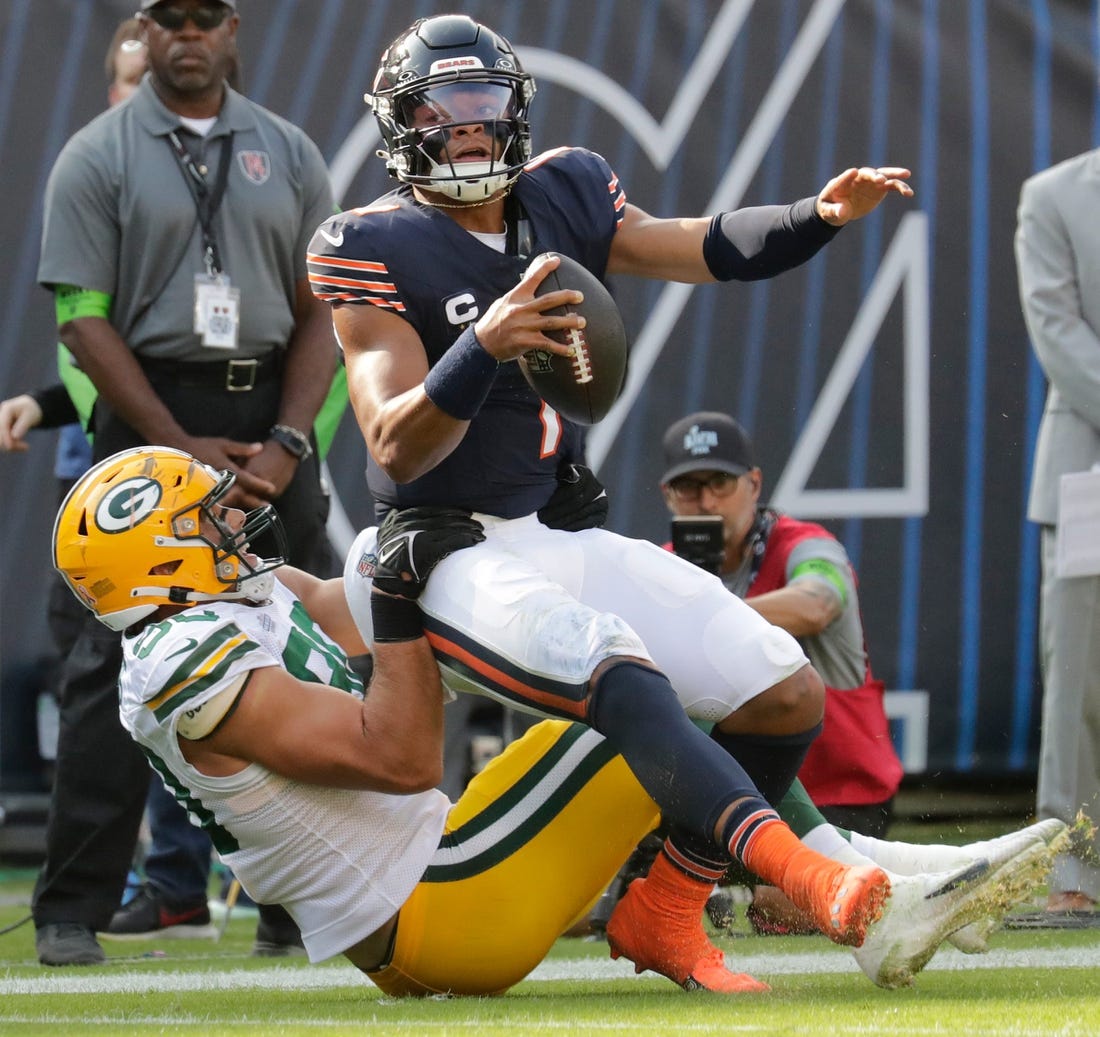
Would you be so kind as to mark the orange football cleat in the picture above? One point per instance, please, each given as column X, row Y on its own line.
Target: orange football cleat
column 849, row 902
column 667, row 943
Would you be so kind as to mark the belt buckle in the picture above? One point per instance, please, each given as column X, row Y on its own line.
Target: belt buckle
column 248, row 368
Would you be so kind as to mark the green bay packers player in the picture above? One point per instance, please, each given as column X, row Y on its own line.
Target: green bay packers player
column 318, row 797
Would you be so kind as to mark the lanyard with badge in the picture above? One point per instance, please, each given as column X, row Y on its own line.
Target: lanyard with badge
column 217, row 301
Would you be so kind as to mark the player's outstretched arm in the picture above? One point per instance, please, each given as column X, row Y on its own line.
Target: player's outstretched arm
column 752, row 243
column 390, row 741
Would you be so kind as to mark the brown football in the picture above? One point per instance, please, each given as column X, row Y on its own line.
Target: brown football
column 583, row 386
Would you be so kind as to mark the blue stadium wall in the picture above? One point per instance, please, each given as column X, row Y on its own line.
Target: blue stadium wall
column 889, row 384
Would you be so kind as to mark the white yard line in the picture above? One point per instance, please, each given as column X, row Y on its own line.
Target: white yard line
column 301, row 978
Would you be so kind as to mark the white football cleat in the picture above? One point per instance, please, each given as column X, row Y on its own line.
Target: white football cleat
column 974, row 938
column 925, row 909
column 1054, row 838
column 1051, row 833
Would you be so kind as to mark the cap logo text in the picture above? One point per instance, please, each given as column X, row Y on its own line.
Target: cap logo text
column 700, row 441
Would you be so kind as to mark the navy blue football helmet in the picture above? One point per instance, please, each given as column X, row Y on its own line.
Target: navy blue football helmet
column 451, row 100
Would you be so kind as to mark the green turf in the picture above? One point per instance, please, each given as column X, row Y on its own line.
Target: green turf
column 182, row 987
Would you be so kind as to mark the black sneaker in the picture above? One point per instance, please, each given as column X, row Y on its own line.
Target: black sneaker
column 277, row 934
column 720, row 909
column 67, row 943
column 149, row 916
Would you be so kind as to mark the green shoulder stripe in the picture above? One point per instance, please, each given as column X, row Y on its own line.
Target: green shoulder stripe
column 203, row 664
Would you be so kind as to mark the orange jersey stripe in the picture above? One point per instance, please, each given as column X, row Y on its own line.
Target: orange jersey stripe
column 522, row 691
column 352, row 282
column 347, row 264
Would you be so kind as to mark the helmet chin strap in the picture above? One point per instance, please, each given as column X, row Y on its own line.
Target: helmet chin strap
column 257, row 588
column 252, row 588
column 435, row 203
column 478, row 185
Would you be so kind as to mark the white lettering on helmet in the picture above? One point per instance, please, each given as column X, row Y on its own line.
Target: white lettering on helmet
column 447, row 64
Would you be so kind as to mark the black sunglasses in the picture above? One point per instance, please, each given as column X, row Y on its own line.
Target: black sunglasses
column 173, row 18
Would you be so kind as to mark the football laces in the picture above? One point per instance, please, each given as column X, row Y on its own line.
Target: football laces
column 582, row 362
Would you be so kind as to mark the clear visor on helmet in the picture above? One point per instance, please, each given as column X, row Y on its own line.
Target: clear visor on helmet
column 461, row 123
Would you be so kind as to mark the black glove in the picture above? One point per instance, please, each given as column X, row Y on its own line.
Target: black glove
column 579, row 502
column 411, row 543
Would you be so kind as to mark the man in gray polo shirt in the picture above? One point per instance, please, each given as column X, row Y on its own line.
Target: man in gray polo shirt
column 174, row 239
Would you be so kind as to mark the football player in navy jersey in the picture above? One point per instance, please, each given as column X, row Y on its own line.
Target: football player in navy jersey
column 432, row 290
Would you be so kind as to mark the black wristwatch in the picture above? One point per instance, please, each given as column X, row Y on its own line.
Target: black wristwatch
column 292, row 440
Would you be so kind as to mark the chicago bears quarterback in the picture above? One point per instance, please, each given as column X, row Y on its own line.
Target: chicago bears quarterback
column 433, row 295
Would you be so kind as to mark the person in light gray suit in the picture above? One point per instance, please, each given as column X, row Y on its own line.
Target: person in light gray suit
column 1058, row 262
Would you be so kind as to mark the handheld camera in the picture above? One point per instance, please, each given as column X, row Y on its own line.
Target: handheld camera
column 699, row 540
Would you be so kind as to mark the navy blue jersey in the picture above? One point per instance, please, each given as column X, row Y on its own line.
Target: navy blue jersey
column 415, row 260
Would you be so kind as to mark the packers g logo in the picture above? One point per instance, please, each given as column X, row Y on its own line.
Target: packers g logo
column 128, row 504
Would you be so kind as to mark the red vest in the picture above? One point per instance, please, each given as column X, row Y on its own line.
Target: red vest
column 853, row 761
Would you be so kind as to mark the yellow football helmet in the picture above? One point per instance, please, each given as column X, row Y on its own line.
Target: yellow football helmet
column 131, row 537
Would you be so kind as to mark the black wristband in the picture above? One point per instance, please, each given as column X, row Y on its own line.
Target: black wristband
column 460, row 381
column 395, row 619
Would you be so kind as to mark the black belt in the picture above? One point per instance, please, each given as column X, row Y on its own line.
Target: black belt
column 229, row 375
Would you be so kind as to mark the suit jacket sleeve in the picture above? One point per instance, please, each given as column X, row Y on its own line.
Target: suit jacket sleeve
column 1048, row 264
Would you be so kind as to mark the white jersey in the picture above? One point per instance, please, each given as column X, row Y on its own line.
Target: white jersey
column 340, row 861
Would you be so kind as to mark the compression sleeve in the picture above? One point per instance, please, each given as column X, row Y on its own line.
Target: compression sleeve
column 762, row 241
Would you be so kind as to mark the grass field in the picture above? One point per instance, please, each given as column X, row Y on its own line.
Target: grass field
column 1031, row 983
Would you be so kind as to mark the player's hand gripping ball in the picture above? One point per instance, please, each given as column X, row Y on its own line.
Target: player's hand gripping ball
column 582, row 386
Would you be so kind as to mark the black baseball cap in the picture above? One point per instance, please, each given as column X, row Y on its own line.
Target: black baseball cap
column 146, row 4
column 706, row 440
